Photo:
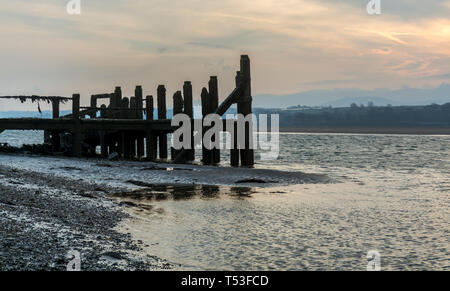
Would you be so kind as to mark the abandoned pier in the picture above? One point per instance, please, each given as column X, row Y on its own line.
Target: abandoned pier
column 126, row 126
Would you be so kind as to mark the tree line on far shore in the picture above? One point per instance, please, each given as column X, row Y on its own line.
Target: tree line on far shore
column 361, row 115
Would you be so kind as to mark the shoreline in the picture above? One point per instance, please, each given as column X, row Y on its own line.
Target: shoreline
column 406, row 130
column 138, row 174
column 51, row 205
column 43, row 217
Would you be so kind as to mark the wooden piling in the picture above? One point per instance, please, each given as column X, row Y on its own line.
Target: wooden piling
column 117, row 100
column 213, row 105
column 93, row 105
column 103, row 111
column 206, row 109
column 103, row 141
column 245, row 108
column 131, row 136
column 234, row 152
column 189, row 111
column 116, row 113
column 162, row 114
column 125, row 136
column 103, row 145
column 177, row 109
column 151, row 138
column 140, row 115
column 77, row 134
column 56, row 142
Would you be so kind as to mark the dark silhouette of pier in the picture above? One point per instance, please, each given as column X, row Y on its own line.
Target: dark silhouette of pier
column 121, row 127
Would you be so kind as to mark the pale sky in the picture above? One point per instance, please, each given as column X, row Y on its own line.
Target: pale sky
column 294, row 45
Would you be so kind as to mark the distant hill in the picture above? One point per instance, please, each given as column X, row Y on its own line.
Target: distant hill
column 344, row 97
column 430, row 115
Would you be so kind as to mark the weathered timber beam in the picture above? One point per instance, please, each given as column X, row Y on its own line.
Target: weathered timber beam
column 230, row 100
column 103, row 96
column 38, row 98
column 36, row 124
column 86, row 124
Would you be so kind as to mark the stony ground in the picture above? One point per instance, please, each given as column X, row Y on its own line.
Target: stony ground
column 52, row 205
column 43, row 217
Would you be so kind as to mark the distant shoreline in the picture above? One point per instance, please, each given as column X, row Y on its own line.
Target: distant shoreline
column 419, row 130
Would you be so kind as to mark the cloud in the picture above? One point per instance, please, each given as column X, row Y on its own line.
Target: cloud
column 294, row 45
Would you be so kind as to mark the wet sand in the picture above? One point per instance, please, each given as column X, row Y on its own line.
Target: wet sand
column 51, row 205
column 43, row 217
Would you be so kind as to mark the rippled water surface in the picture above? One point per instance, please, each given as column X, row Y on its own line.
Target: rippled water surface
column 392, row 196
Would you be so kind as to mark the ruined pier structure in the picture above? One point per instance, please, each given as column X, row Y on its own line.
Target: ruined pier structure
column 121, row 127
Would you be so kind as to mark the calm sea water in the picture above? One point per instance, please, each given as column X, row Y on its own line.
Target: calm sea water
column 393, row 196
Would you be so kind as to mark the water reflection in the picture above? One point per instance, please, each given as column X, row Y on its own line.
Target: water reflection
column 182, row 192
column 394, row 198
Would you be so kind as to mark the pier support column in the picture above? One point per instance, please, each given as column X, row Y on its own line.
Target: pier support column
column 103, row 136
column 151, row 138
column 77, row 134
column 117, row 102
column 206, row 109
column 177, row 109
column 245, row 108
column 140, row 115
column 162, row 114
column 126, row 136
column 131, row 136
column 103, row 145
column 213, row 105
column 189, row 111
column 56, row 142
column 234, row 152
column 116, row 113
column 93, row 105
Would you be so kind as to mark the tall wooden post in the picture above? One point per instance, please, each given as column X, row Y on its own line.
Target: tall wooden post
column 189, row 111
column 55, row 108
column 125, row 136
column 234, row 152
column 56, row 142
column 92, row 115
column 112, row 103
column 206, row 109
column 214, row 104
column 245, row 108
column 103, row 141
column 77, row 135
column 117, row 100
column 131, row 137
column 116, row 113
column 140, row 115
column 151, row 138
column 93, row 105
column 177, row 109
column 162, row 114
